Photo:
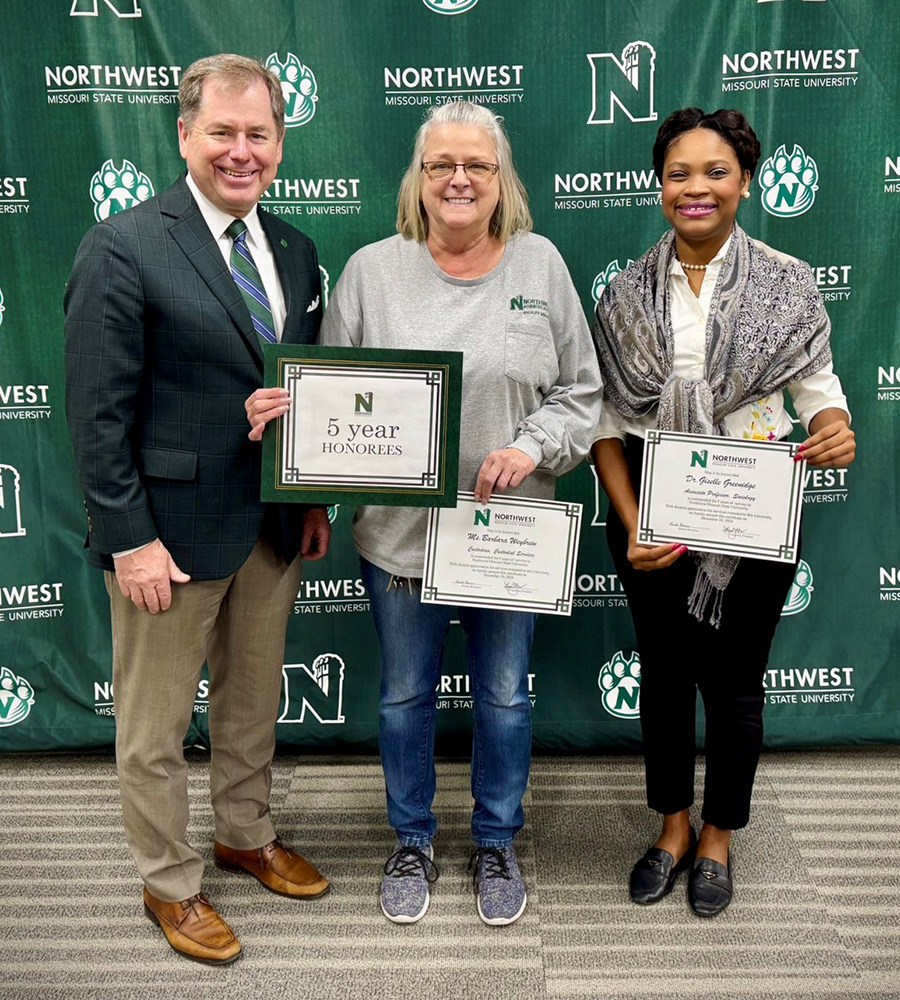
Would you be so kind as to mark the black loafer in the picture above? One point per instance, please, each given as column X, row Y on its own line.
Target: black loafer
column 710, row 887
column 655, row 873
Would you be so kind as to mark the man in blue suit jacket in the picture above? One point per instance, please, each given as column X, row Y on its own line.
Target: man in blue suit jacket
column 163, row 368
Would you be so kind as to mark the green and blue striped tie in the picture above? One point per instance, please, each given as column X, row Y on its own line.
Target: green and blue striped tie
column 246, row 276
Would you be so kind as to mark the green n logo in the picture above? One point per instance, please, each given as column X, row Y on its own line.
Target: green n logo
column 363, row 402
column 318, row 690
column 517, row 303
column 627, row 699
column 483, row 517
column 625, row 82
column 699, row 458
column 787, row 194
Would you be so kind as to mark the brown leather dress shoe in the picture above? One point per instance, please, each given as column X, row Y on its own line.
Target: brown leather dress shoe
column 194, row 929
column 279, row 869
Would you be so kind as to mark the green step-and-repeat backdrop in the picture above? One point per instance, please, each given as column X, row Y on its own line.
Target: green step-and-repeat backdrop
column 89, row 104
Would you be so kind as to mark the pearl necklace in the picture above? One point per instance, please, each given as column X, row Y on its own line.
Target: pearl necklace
column 692, row 267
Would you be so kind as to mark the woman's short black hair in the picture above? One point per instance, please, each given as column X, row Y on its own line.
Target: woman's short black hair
column 731, row 125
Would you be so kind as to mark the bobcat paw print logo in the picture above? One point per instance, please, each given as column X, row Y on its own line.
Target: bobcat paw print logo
column 113, row 189
column 450, row 6
column 332, row 512
column 800, row 594
column 620, row 682
column 298, row 84
column 612, row 269
column 16, row 698
column 789, row 182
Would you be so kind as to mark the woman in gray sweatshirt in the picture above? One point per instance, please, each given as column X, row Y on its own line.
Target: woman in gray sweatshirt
column 465, row 273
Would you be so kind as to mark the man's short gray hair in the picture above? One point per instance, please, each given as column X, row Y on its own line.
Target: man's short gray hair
column 231, row 72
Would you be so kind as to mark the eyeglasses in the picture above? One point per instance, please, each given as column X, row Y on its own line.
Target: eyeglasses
column 439, row 170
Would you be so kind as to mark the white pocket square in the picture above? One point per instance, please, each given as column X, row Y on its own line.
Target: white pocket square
column 313, row 305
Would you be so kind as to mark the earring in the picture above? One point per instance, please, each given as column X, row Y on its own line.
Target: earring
column 745, row 194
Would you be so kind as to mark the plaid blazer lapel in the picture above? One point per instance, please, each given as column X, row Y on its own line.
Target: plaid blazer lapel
column 190, row 232
column 298, row 271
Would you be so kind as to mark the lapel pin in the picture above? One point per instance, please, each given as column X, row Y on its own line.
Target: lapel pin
column 284, row 243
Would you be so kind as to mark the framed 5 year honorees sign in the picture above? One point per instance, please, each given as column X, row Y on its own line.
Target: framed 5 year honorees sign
column 365, row 426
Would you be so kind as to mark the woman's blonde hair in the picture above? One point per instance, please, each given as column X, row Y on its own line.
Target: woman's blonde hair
column 511, row 215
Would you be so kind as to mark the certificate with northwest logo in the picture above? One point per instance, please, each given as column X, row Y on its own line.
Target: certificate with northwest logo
column 365, row 426
column 719, row 494
column 514, row 553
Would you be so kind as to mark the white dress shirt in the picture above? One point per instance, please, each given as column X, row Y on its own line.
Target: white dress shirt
column 218, row 221
column 764, row 419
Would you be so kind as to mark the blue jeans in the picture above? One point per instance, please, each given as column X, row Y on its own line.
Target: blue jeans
column 411, row 635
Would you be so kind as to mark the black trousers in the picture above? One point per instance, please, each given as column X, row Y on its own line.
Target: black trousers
column 680, row 656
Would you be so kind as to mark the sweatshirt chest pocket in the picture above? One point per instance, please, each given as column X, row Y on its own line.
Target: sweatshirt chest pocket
column 530, row 355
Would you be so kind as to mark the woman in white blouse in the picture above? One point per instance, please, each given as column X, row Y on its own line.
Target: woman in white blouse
column 704, row 334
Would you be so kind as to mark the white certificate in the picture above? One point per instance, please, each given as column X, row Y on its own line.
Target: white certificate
column 720, row 494
column 514, row 553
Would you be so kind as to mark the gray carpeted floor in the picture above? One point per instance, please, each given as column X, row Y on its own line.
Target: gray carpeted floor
column 817, row 914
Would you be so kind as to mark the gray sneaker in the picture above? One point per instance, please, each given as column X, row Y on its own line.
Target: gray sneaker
column 499, row 886
column 404, row 889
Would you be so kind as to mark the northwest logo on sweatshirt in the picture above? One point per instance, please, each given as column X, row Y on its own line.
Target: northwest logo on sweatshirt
column 530, row 307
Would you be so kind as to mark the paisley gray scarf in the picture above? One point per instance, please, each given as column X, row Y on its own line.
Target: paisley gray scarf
column 767, row 327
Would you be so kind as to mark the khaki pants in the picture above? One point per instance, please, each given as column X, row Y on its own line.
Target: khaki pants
column 237, row 624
